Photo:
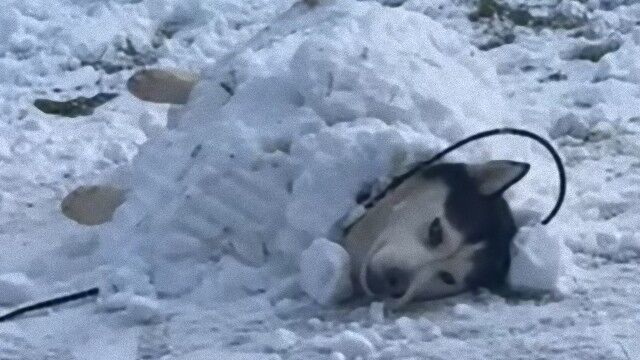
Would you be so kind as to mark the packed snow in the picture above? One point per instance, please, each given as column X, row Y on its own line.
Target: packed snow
column 16, row 288
column 325, row 270
column 228, row 243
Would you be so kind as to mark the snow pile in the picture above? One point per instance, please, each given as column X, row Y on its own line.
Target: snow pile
column 315, row 118
column 228, row 202
column 279, row 340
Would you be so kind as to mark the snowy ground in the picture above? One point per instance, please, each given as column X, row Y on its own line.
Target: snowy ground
column 575, row 78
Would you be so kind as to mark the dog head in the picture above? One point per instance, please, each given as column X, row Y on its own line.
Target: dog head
column 440, row 231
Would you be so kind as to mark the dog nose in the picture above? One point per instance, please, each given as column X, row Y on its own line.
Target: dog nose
column 392, row 281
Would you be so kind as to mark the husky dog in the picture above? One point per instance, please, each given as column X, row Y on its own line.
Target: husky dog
column 443, row 230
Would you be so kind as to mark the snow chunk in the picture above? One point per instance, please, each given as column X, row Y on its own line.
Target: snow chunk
column 206, row 354
column 143, row 310
column 376, row 312
column 279, row 340
column 15, row 288
column 352, row 345
column 538, row 262
column 137, row 309
column 569, row 125
column 337, row 356
column 464, row 311
column 325, row 272
column 126, row 281
column 572, row 10
column 418, row 330
column 5, row 150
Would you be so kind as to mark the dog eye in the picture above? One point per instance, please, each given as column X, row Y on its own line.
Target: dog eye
column 447, row 278
column 435, row 237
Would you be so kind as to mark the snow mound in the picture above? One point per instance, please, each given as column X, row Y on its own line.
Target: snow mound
column 224, row 204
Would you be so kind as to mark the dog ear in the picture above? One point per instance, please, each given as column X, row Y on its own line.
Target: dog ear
column 495, row 177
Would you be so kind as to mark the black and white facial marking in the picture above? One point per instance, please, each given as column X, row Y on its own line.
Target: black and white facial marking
column 441, row 231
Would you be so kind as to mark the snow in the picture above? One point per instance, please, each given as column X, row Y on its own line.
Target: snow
column 376, row 312
column 16, row 288
column 464, row 311
column 143, row 310
column 325, row 272
column 229, row 252
column 280, row 340
column 569, row 125
column 537, row 261
column 419, row 330
column 348, row 343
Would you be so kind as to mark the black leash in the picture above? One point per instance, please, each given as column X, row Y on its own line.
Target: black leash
column 494, row 132
column 50, row 303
